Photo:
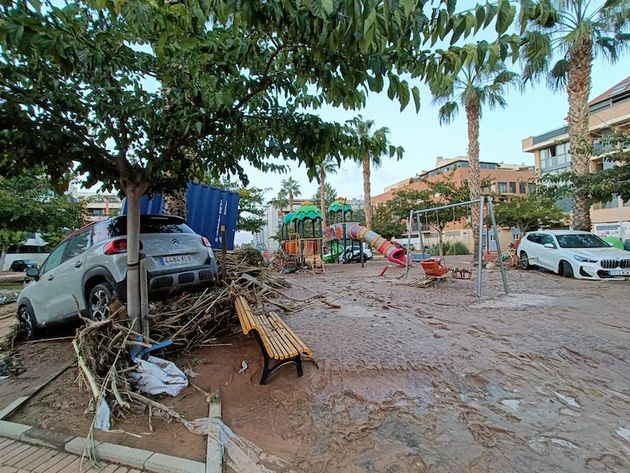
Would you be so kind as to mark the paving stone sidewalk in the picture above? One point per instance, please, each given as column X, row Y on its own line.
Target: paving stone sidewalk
column 20, row 457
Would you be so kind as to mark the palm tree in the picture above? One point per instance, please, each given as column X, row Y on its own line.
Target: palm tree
column 290, row 188
column 472, row 88
column 576, row 31
column 371, row 146
column 327, row 166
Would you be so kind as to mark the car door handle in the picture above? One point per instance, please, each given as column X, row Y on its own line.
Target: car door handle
column 51, row 277
column 78, row 264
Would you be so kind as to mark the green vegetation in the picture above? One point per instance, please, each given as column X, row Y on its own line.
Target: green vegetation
column 601, row 186
column 560, row 47
column 145, row 96
column 536, row 210
column 29, row 204
column 371, row 146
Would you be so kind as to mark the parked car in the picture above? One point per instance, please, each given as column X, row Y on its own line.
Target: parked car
column 355, row 255
column 89, row 267
column 582, row 255
column 20, row 265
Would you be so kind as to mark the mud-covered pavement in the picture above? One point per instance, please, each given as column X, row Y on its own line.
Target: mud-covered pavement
column 433, row 379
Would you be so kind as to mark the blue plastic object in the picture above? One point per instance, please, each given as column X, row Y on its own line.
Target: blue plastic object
column 208, row 209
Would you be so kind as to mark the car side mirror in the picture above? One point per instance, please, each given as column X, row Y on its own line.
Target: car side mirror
column 550, row 245
column 33, row 273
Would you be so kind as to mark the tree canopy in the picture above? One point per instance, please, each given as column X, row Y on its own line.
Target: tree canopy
column 28, row 204
column 529, row 212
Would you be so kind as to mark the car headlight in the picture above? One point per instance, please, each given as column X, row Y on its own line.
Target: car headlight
column 584, row 259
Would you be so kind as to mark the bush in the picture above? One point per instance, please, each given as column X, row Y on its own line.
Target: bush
column 456, row 248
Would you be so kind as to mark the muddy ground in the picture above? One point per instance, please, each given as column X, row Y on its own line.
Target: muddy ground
column 412, row 379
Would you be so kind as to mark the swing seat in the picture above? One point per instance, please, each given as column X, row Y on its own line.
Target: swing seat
column 433, row 267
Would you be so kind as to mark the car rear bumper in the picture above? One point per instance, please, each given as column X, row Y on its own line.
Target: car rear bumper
column 173, row 280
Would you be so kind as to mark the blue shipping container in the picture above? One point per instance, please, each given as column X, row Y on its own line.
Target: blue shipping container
column 208, row 209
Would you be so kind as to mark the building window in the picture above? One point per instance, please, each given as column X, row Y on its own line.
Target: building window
column 512, row 187
column 522, row 188
column 502, row 187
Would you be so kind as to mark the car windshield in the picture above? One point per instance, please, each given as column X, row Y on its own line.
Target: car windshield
column 581, row 240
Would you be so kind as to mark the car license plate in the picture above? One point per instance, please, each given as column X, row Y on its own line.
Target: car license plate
column 168, row 260
column 619, row 272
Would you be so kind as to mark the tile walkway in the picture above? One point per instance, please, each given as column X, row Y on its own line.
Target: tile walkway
column 20, row 457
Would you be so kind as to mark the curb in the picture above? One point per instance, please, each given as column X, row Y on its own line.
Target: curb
column 120, row 454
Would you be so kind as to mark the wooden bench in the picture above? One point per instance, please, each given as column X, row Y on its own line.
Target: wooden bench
column 277, row 341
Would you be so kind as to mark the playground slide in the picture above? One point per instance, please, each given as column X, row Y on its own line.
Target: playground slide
column 380, row 244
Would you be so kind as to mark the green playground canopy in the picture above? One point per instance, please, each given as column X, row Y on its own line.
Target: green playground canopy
column 306, row 211
column 288, row 218
column 338, row 206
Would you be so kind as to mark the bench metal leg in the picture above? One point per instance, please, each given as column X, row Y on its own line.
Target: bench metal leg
column 267, row 370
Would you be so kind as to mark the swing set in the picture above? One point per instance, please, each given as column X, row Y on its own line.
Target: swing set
column 435, row 267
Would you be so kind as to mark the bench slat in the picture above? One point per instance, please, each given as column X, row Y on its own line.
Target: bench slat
column 281, row 330
column 282, row 350
column 279, row 341
column 295, row 340
column 282, row 339
column 274, row 349
column 245, row 315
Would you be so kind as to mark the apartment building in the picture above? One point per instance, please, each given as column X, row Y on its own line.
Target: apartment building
column 507, row 180
column 608, row 111
column 100, row 206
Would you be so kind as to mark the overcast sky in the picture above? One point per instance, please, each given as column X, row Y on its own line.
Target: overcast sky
column 533, row 112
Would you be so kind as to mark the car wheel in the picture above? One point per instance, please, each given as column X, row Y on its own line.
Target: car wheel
column 27, row 328
column 524, row 259
column 566, row 269
column 100, row 301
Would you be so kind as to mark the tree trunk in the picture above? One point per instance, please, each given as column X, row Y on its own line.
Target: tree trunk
column 440, row 248
column 474, row 177
column 580, row 145
column 367, row 199
column 291, row 202
column 175, row 203
column 133, row 192
column 322, row 196
column 3, row 256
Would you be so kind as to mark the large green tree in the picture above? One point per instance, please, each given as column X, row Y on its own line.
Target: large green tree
column 144, row 96
column 560, row 47
column 603, row 185
column 371, row 145
column 28, row 204
column 481, row 83
column 530, row 212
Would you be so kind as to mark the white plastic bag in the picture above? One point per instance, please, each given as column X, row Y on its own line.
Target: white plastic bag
column 158, row 376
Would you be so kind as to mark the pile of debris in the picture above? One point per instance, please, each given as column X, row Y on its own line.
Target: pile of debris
column 109, row 352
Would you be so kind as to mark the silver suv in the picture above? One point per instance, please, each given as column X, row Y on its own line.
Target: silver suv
column 89, row 267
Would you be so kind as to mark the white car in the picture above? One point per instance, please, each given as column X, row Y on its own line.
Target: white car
column 582, row 255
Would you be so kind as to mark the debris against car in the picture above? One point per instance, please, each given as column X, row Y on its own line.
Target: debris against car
column 186, row 322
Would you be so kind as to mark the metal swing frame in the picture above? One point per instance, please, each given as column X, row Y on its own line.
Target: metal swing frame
column 483, row 200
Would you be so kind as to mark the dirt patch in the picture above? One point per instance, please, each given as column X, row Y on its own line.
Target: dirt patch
column 413, row 379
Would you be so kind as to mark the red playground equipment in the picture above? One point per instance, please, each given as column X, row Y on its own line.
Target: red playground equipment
column 434, row 267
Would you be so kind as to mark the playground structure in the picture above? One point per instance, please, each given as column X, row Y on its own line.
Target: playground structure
column 301, row 241
column 345, row 234
column 435, row 267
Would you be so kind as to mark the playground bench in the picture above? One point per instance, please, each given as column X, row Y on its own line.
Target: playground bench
column 277, row 341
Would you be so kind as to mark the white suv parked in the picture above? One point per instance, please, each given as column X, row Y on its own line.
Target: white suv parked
column 582, row 255
column 89, row 267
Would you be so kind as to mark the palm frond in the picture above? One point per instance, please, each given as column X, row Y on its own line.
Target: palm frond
column 536, row 52
column 558, row 76
column 447, row 112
